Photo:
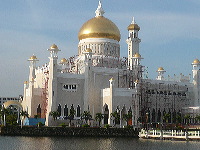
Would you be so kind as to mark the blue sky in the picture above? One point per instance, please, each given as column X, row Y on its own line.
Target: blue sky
column 170, row 33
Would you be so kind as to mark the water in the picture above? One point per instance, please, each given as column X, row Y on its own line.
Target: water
column 65, row 143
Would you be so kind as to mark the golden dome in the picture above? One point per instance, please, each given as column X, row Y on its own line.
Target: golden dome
column 137, row 55
column 196, row 61
column 88, row 50
column 63, row 60
column 133, row 27
column 160, row 69
column 54, row 46
column 99, row 27
column 33, row 57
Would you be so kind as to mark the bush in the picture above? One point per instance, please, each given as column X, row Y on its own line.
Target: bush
column 85, row 125
column 40, row 124
column 128, row 127
column 63, row 125
column 107, row 126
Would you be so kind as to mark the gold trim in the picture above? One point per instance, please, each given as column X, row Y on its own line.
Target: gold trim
column 99, row 35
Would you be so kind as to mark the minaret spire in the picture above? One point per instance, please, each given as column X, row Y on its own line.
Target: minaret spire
column 133, row 22
column 99, row 11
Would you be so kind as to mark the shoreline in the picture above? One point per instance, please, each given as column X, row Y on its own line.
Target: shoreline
column 68, row 131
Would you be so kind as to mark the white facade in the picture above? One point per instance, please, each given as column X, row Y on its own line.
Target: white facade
column 99, row 81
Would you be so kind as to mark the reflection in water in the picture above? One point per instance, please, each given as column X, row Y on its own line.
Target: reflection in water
column 75, row 143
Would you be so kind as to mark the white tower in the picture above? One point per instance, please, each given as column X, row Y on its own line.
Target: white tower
column 133, row 41
column 161, row 72
column 52, row 85
column 88, row 78
column 136, row 66
column 29, row 86
column 196, row 81
column 33, row 59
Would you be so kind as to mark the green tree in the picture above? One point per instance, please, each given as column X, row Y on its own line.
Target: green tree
column 187, row 119
column 54, row 114
column 116, row 117
column 166, row 117
column 99, row 117
column 86, row 115
column 5, row 112
column 11, row 119
column 72, row 112
column 197, row 118
column 127, row 117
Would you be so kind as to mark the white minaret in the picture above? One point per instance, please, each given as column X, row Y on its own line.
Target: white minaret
column 88, row 78
column 133, row 41
column 161, row 72
column 29, row 86
column 196, row 81
column 33, row 59
column 52, row 85
column 136, row 66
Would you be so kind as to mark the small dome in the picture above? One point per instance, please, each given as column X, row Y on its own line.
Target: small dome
column 137, row 55
column 160, row 69
column 33, row 57
column 111, row 79
column 133, row 27
column 63, row 60
column 196, row 61
column 54, row 46
column 88, row 50
column 136, row 81
column 25, row 82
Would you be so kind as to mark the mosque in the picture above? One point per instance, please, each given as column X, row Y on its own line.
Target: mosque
column 100, row 81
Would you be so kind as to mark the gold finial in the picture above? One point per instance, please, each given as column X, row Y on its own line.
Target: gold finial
column 54, row 46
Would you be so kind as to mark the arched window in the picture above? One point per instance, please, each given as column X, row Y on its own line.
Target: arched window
column 78, row 111
column 39, row 111
column 153, row 116
column 65, row 110
column 59, row 110
column 106, row 113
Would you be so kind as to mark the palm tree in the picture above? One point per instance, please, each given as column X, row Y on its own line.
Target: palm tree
column 187, row 118
column 54, row 114
column 197, row 118
column 4, row 112
column 116, row 117
column 86, row 115
column 166, row 117
column 72, row 112
column 99, row 117
column 127, row 117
